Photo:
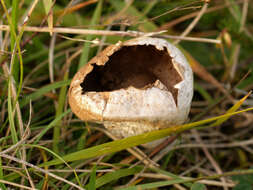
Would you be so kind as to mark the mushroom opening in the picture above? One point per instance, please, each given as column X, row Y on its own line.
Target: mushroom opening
column 138, row 66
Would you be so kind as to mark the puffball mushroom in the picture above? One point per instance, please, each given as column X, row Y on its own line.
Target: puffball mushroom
column 137, row 86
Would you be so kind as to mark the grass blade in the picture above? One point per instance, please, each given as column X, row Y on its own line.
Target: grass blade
column 52, row 124
column 14, row 135
column 86, row 48
column 14, row 21
column 231, row 110
column 109, row 177
column 59, row 111
column 122, row 144
column 178, row 181
column 92, row 181
column 2, row 186
column 48, row 7
column 40, row 92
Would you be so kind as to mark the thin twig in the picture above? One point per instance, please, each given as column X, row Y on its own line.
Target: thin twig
column 134, row 151
column 66, row 170
column 17, row 144
column 95, row 42
column 121, row 12
column 207, row 182
column 51, row 59
column 194, row 22
column 29, row 13
column 40, row 169
column 107, row 33
column 220, row 145
column 238, row 46
column 15, row 184
column 210, row 158
column 168, row 12
column 191, row 15
column 7, row 73
column 193, row 39
column 81, row 170
column 193, row 168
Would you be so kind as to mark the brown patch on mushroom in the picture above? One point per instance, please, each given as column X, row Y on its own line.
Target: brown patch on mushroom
column 139, row 66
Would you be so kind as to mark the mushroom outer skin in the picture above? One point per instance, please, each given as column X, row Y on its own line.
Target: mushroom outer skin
column 131, row 109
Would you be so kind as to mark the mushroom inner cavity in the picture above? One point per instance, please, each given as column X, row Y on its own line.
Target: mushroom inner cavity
column 138, row 66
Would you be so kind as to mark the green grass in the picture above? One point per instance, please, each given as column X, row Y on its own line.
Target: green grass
column 80, row 152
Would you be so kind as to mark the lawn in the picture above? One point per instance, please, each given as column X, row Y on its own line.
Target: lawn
column 44, row 145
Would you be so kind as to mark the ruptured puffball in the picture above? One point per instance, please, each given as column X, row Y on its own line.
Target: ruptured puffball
column 134, row 87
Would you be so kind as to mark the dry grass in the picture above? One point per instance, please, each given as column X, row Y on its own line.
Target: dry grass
column 37, row 126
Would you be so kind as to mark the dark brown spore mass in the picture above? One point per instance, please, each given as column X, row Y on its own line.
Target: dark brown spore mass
column 138, row 66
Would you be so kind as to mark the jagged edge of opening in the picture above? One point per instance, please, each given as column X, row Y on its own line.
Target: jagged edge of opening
column 138, row 66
